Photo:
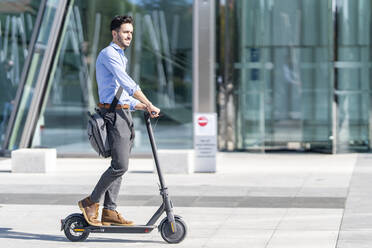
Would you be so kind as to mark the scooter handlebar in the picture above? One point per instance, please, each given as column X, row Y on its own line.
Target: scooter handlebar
column 147, row 114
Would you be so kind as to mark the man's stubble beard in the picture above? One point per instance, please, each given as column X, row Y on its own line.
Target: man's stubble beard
column 121, row 42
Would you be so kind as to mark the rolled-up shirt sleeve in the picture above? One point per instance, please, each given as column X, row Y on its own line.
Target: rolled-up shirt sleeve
column 132, row 103
column 114, row 64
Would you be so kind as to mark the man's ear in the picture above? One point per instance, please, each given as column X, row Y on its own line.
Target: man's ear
column 114, row 33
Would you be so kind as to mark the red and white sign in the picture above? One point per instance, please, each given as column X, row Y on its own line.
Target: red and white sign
column 205, row 124
column 205, row 142
column 202, row 121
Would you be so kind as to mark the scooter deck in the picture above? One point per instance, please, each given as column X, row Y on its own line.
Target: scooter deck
column 121, row 229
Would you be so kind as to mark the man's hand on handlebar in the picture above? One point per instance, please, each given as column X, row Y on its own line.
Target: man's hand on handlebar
column 153, row 111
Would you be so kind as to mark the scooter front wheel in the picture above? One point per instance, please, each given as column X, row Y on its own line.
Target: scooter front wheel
column 75, row 229
column 173, row 237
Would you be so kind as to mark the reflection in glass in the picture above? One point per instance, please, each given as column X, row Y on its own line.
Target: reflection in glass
column 16, row 26
column 353, row 78
column 33, row 72
column 159, row 61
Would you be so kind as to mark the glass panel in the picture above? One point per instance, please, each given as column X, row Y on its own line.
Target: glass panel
column 353, row 78
column 282, row 74
column 16, row 25
column 159, row 61
column 33, row 72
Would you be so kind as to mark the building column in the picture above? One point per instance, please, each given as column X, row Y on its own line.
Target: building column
column 204, row 92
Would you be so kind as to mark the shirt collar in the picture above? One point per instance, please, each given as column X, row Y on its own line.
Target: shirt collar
column 114, row 45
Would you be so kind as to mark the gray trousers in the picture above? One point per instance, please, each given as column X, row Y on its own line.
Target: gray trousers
column 120, row 135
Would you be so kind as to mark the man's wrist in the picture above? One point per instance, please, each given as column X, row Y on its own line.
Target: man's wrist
column 140, row 106
column 148, row 104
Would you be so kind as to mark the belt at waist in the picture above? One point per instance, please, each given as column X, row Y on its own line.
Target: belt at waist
column 118, row 106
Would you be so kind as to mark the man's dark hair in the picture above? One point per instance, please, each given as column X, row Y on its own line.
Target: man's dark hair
column 117, row 21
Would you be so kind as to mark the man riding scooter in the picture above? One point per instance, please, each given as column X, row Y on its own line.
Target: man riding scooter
column 111, row 75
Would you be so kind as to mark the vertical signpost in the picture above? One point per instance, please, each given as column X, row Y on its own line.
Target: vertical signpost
column 204, row 92
column 205, row 142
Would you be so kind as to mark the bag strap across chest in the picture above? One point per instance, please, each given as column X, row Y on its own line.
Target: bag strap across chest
column 116, row 99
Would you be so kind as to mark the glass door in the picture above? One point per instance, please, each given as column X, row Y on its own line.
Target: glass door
column 353, row 75
column 282, row 71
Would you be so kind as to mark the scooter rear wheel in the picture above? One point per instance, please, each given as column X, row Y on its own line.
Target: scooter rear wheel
column 73, row 223
column 167, row 233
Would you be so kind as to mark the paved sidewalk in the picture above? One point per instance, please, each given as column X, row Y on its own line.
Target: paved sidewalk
column 356, row 227
column 254, row 200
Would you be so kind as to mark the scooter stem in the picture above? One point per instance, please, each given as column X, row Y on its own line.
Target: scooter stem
column 154, row 148
column 163, row 190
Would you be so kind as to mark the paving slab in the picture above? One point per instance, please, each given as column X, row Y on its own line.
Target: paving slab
column 311, row 219
column 303, row 239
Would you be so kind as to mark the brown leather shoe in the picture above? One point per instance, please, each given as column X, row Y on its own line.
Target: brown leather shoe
column 112, row 217
column 90, row 211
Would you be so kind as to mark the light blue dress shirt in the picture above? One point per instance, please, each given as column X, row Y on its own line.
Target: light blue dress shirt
column 111, row 72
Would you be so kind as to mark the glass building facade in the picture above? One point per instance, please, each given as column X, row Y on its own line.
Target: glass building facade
column 290, row 74
column 17, row 22
column 59, row 85
column 295, row 74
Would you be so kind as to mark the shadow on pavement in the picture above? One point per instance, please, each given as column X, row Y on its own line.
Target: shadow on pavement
column 7, row 233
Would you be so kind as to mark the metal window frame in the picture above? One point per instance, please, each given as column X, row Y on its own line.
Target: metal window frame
column 334, row 82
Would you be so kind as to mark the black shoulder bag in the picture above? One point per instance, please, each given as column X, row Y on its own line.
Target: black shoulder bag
column 96, row 128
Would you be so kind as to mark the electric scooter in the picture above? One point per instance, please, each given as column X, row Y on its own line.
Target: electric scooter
column 172, row 228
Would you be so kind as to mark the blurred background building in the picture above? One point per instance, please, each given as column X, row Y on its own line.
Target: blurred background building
column 288, row 74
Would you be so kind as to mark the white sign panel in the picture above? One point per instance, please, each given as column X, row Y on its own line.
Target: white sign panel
column 205, row 124
column 205, row 142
